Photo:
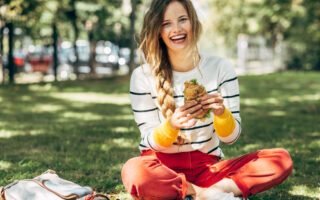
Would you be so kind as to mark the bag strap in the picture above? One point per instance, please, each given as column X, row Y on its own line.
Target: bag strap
column 41, row 183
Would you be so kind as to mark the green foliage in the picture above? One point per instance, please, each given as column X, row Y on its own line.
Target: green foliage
column 304, row 37
column 195, row 81
column 294, row 22
column 35, row 18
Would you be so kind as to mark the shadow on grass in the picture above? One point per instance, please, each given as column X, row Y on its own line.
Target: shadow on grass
column 85, row 130
column 84, row 141
column 282, row 111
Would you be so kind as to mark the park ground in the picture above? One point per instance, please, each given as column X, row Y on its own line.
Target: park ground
column 85, row 131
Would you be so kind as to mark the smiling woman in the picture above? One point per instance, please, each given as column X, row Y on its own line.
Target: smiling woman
column 180, row 155
column 176, row 28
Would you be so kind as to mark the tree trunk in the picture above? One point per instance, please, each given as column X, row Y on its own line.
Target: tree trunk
column 55, row 50
column 76, row 34
column 132, row 34
column 92, row 60
column 11, row 66
column 1, row 52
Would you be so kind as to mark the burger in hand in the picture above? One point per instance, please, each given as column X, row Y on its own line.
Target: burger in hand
column 194, row 92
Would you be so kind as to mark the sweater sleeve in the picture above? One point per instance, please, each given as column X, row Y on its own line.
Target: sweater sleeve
column 224, row 124
column 229, row 124
column 154, row 134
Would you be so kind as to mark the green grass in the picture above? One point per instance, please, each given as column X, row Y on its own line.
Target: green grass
column 84, row 130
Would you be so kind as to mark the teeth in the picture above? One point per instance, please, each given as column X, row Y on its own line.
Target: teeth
column 178, row 37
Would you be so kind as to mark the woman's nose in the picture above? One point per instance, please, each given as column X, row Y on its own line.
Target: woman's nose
column 176, row 27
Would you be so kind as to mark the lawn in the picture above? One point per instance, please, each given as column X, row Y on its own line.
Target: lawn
column 84, row 130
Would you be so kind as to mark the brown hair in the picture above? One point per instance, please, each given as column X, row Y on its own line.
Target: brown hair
column 155, row 50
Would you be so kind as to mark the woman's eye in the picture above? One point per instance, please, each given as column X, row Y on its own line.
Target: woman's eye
column 183, row 19
column 165, row 24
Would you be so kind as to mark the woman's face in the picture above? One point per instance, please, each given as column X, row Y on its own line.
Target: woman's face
column 176, row 27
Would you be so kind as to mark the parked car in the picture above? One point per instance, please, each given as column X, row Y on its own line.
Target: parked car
column 124, row 56
column 107, row 56
column 66, row 55
column 19, row 60
column 40, row 58
column 83, row 49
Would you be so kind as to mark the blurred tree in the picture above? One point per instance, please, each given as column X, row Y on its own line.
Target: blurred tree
column 73, row 17
column 95, row 18
column 132, row 33
column 99, row 19
column 17, row 13
column 2, row 27
column 55, row 49
column 286, row 20
column 304, row 36
column 11, row 66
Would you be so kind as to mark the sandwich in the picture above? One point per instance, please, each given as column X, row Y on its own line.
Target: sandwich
column 194, row 92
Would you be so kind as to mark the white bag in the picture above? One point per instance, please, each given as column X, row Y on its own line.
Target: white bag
column 47, row 186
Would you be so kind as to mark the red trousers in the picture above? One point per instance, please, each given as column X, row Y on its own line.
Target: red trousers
column 156, row 175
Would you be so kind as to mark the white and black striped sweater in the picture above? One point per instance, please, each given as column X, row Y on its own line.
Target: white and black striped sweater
column 217, row 75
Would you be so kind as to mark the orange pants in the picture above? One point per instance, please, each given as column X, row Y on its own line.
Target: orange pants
column 156, row 175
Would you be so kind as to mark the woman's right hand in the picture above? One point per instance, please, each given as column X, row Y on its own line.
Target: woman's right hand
column 182, row 115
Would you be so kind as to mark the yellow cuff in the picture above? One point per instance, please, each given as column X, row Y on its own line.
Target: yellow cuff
column 165, row 135
column 224, row 124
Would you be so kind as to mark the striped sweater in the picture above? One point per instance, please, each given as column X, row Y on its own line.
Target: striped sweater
column 217, row 75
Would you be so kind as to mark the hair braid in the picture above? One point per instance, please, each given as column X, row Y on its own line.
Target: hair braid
column 163, row 76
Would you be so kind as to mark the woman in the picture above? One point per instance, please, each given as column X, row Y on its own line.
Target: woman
column 180, row 156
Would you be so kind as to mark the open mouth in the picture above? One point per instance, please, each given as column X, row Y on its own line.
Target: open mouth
column 179, row 38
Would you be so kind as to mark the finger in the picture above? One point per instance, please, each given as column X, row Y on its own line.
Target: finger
column 188, row 105
column 212, row 100
column 189, row 111
column 213, row 106
column 190, row 116
column 195, row 114
column 208, row 96
column 190, row 123
column 193, row 109
column 183, row 120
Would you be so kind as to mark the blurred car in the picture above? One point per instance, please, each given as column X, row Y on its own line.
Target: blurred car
column 107, row 56
column 67, row 57
column 83, row 49
column 66, row 53
column 19, row 60
column 124, row 56
column 40, row 58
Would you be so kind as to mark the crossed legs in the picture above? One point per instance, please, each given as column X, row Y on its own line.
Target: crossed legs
column 146, row 177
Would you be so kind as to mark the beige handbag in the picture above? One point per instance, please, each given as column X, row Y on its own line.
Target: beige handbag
column 48, row 186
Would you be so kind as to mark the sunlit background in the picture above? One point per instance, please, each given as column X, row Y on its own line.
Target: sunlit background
column 38, row 37
column 64, row 81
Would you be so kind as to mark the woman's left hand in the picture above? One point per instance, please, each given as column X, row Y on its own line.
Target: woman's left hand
column 214, row 101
